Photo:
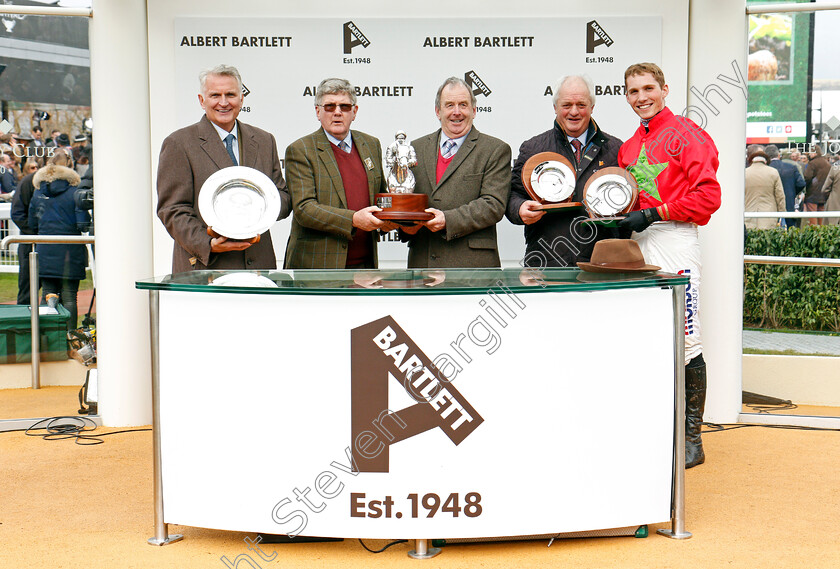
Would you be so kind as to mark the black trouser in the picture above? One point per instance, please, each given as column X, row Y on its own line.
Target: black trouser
column 23, row 272
column 66, row 289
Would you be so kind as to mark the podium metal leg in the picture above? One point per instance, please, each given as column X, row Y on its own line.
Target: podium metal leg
column 677, row 530
column 422, row 550
column 35, row 332
column 162, row 536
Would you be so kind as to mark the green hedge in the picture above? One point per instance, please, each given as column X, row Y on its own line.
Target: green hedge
column 778, row 296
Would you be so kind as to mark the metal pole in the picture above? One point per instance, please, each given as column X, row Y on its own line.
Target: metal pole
column 798, row 261
column 677, row 530
column 35, row 325
column 162, row 536
column 422, row 550
column 45, row 11
column 790, row 214
column 790, row 7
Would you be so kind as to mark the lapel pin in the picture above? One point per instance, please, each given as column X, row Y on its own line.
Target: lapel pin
column 369, row 163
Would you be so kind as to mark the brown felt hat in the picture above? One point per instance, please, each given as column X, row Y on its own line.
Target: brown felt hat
column 617, row 256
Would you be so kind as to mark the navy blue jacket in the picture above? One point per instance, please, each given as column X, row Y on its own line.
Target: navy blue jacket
column 553, row 241
column 53, row 211
column 792, row 181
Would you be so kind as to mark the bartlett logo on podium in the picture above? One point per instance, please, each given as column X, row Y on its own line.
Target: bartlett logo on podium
column 382, row 354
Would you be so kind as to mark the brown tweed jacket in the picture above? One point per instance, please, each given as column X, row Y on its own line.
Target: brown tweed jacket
column 472, row 194
column 322, row 226
column 187, row 158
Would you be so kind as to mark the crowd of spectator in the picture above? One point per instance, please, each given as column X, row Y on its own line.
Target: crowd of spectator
column 40, row 177
column 809, row 181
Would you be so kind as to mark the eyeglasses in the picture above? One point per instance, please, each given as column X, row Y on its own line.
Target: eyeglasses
column 330, row 107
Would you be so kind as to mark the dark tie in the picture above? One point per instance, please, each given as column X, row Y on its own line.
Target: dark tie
column 344, row 146
column 229, row 145
column 576, row 143
column 448, row 147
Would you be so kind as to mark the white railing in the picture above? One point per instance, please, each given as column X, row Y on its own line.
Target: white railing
column 792, row 214
column 797, row 261
column 8, row 259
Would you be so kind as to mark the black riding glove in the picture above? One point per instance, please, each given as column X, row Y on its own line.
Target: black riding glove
column 638, row 221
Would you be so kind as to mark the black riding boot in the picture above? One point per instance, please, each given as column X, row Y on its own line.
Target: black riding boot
column 695, row 402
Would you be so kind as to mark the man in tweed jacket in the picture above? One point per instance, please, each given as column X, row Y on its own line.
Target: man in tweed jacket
column 333, row 175
column 466, row 175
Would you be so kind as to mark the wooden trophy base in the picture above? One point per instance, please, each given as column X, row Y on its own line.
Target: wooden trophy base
column 548, row 206
column 403, row 207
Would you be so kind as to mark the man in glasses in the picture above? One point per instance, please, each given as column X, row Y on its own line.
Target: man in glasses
column 558, row 239
column 466, row 175
column 191, row 155
column 333, row 175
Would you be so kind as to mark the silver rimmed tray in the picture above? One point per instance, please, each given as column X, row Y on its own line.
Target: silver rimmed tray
column 609, row 193
column 239, row 202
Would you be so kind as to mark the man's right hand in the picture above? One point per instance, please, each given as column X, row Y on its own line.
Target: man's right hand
column 224, row 245
column 366, row 221
column 529, row 213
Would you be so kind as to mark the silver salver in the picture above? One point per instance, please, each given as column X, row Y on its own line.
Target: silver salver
column 553, row 181
column 610, row 192
column 239, row 202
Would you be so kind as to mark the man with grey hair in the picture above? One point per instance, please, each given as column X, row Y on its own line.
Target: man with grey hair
column 792, row 181
column 192, row 154
column 559, row 239
column 333, row 175
column 466, row 175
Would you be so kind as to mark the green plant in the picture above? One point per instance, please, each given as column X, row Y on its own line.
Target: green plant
column 778, row 296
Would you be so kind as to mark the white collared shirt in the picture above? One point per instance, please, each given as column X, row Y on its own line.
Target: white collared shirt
column 348, row 139
column 581, row 138
column 223, row 135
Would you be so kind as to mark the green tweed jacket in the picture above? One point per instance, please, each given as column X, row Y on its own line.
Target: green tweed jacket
column 322, row 225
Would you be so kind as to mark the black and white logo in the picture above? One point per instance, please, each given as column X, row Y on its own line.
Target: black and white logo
column 353, row 37
column 595, row 36
column 478, row 86
column 245, row 91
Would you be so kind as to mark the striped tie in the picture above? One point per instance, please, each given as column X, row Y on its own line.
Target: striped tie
column 448, row 148
column 229, row 145
column 576, row 143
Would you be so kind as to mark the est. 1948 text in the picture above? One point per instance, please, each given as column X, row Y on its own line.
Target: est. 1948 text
column 432, row 504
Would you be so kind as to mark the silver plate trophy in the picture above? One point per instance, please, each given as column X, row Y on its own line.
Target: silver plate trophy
column 239, row 202
column 550, row 179
column 553, row 181
column 609, row 194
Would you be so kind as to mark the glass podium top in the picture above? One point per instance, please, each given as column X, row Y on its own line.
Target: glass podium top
column 405, row 281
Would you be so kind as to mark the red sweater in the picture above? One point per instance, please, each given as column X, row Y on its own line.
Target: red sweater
column 675, row 163
column 355, row 182
column 441, row 166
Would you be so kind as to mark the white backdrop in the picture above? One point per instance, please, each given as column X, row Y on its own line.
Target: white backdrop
column 400, row 59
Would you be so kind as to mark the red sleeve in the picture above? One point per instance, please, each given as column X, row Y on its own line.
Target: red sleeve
column 701, row 198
